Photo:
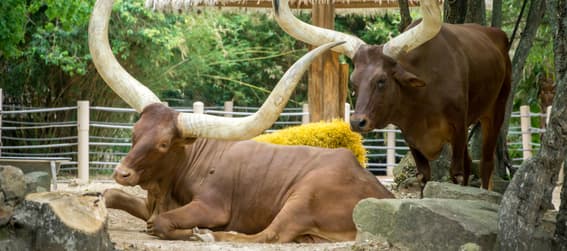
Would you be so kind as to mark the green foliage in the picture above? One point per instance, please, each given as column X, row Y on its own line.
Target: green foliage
column 335, row 134
column 12, row 23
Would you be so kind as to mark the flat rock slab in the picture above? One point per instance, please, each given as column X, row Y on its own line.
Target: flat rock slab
column 427, row 224
column 444, row 190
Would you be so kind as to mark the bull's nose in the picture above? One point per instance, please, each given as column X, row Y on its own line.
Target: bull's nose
column 358, row 124
column 122, row 173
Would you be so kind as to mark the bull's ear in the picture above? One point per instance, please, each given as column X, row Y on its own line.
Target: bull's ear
column 406, row 78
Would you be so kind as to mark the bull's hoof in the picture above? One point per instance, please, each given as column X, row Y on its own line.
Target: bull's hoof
column 202, row 235
column 94, row 194
column 459, row 179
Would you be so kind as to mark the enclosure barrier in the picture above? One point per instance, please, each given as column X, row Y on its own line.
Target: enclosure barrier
column 385, row 147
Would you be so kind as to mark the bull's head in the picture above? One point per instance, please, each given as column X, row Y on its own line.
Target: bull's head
column 379, row 70
column 161, row 130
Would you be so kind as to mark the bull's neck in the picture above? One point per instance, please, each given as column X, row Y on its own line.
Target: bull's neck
column 199, row 159
column 406, row 113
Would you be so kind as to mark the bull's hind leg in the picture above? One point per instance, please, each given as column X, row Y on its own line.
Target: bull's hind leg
column 290, row 224
column 490, row 129
column 118, row 199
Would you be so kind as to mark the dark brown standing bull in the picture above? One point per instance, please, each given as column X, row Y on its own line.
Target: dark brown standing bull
column 432, row 81
column 242, row 190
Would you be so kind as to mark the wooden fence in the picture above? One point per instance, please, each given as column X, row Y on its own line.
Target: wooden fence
column 385, row 147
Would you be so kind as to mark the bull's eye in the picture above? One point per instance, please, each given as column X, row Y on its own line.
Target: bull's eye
column 163, row 146
column 381, row 83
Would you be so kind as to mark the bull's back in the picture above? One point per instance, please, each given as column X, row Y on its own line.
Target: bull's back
column 486, row 64
column 268, row 175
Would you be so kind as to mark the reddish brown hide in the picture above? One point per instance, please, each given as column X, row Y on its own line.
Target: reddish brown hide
column 262, row 192
column 434, row 92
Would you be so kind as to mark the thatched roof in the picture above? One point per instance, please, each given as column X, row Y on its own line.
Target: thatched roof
column 342, row 6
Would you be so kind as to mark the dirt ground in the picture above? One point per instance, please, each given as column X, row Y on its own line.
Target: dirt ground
column 127, row 232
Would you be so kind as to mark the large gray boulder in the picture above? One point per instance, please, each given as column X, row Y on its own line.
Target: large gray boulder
column 444, row 190
column 438, row 224
column 37, row 182
column 427, row 224
column 12, row 183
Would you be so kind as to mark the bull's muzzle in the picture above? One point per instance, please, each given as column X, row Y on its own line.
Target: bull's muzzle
column 125, row 176
column 359, row 123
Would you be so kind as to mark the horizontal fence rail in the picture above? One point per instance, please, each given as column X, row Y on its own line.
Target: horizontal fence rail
column 106, row 142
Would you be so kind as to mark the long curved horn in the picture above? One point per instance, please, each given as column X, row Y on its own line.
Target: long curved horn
column 311, row 34
column 419, row 34
column 198, row 125
column 120, row 81
column 191, row 125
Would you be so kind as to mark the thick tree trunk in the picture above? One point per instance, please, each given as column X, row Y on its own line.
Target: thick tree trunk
column 535, row 16
column 455, row 11
column 560, row 47
column 58, row 221
column 476, row 12
column 523, row 204
column 496, row 13
column 405, row 15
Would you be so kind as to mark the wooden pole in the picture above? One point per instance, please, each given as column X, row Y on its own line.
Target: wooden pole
column 83, row 141
column 305, row 117
column 198, row 107
column 390, row 150
column 344, row 77
column 347, row 113
column 324, row 87
column 228, row 108
column 525, row 124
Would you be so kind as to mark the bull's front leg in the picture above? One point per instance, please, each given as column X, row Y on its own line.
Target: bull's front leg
column 178, row 224
column 118, row 199
column 423, row 169
column 460, row 162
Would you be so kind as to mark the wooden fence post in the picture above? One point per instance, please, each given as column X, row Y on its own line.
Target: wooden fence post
column 390, row 150
column 525, row 124
column 305, row 117
column 198, row 107
column 547, row 115
column 347, row 113
column 83, row 121
column 228, row 108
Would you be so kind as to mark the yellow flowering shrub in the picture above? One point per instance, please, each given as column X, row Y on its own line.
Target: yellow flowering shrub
column 333, row 134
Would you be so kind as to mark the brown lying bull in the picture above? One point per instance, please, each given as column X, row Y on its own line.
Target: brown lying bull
column 432, row 81
column 243, row 190
column 265, row 192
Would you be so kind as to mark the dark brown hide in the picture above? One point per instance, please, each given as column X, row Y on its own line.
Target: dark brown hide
column 434, row 92
column 264, row 192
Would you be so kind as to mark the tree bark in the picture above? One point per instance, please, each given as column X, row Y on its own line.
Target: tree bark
column 523, row 203
column 405, row 15
column 476, row 12
column 455, row 11
column 496, row 13
column 559, row 10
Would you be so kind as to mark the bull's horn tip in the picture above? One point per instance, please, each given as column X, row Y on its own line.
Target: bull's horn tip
column 338, row 43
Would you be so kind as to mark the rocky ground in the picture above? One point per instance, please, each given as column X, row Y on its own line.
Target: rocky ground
column 127, row 232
